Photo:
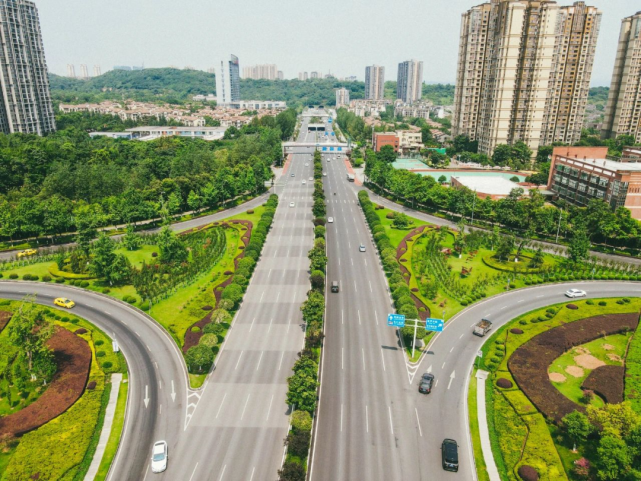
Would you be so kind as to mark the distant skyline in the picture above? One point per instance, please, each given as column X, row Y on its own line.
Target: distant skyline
column 343, row 37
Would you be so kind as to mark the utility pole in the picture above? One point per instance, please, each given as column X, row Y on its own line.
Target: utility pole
column 473, row 206
column 559, row 227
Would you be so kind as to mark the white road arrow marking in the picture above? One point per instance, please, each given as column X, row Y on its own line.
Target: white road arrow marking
column 452, row 376
column 429, row 369
column 173, row 391
column 146, row 396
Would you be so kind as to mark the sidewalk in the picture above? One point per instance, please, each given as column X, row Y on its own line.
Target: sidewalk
column 486, row 447
column 116, row 379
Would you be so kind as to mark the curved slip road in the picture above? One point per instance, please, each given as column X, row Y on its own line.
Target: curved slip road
column 156, row 370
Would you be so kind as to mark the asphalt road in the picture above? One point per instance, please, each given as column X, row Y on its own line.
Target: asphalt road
column 366, row 426
column 237, row 428
column 156, row 370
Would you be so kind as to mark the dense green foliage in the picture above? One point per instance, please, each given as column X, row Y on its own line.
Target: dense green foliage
column 51, row 185
column 106, row 123
column 528, row 214
column 299, row 93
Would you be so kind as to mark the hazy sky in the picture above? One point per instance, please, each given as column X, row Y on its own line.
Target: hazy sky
column 341, row 36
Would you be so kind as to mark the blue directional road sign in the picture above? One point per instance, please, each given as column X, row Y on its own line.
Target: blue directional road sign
column 324, row 148
column 329, row 120
column 340, row 149
column 396, row 320
column 331, row 148
column 333, row 134
column 434, row 324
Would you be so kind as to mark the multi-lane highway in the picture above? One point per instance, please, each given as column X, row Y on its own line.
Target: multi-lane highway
column 157, row 376
column 237, row 429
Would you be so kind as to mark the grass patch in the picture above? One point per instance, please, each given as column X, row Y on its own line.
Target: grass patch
column 633, row 372
column 395, row 235
column 137, row 257
column 481, row 468
column 116, row 432
column 197, row 380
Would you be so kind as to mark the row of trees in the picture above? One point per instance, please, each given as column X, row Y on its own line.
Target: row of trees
column 525, row 213
column 50, row 185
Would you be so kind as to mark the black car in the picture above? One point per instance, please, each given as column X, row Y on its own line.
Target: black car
column 427, row 381
column 449, row 454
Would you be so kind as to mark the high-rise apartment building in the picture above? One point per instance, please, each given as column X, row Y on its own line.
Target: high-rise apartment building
column 25, row 104
column 623, row 110
column 315, row 75
column 96, row 71
column 374, row 82
column 71, row 71
column 265, row 71
column 228, row 81
column 84, row 72
column 342, row 97
column 524, row 72
column 281, row 75
column 409, row 84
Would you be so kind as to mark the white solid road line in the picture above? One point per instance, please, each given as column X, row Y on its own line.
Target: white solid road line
column 443, row 366
column 342, row 358
column 193, row 472
column 222, row 473
column 250, row 479
column 282, row 354
column 270, row 408
column 363, row 351
column 420, row 431
column 370, row 286
column 359, row 316
column 221, row 405
column 391, row 424
column 261, row 358
column 342, row 317
column 341, row 418
column 252, row 325
column 383, row 359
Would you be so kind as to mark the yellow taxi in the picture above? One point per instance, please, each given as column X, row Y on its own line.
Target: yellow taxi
column 64, row 302
column 27, row 253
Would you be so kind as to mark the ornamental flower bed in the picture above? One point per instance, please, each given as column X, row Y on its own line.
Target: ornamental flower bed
column 73, row 357
column 607, row 382
column 529, row 364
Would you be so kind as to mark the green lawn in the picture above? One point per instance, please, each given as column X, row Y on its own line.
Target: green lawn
column 571, row 387
column 395, row 235
column 481, row 468
column 138, row 256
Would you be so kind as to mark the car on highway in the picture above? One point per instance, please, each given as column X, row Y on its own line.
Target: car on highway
column 292, row 204
column 64, row 302
column 572, row 293
column 330, row 220
column 361, row 248
column 324, row 174
column 306, row 164
column 293, row 175
column 311, row 179
column 304, row 182
column 328, row 159
column 425, row 386
column 27, row 253
column 159, row 457
column 335, row 286
column 449, row 455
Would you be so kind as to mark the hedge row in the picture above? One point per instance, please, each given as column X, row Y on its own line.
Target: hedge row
column 633, row 371
column 303, row 385
column 200, row 358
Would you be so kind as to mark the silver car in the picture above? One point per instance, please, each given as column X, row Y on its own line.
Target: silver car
column 572, row 293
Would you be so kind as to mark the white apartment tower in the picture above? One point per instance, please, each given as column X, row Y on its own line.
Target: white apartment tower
column 409, row 85
column 228, row 81
column 71, row 71
column 524, row 72
column 342, row 97
column 265, row 71
column 25, row 104
column 84, row 72
column 623, row 110
column 374, row 82
column 96, row 71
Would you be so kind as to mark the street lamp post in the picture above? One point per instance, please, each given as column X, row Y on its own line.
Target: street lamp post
column 559, row 226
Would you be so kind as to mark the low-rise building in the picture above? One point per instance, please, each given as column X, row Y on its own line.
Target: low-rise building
column 409, row 140
column 380, row 139
column 495, row 187
column 152, row 133
column 580, row 174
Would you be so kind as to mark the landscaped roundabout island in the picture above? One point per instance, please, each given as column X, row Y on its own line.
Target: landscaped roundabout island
column 564, row 392
column 55, row 383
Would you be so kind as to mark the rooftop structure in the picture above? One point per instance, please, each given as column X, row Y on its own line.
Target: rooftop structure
column 493, row 186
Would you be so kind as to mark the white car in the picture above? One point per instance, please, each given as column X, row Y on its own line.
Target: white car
column 293, row 175
column 306, row 165
column 328, row 159
column 304, row 182
column 324, row 174
column 361, row 248
column 311, row 179
column 330, row 220
column 572, row 293
column 292, row 204
column 159, row 457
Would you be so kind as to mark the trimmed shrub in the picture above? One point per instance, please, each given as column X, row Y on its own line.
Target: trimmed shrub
column 504, row 383
column 107, row 365
column 46, row 278
column 145, row 306
column 99, row 353
column 213, row 328
column 82, row 330
column 84, row 284
column 199, row 359
column 106, row 290
column 572, row 306
column 302, row 421
column 517, row 331
column 298, row 443
column 291, row 471
column 206, row 308
column 195, row 329
column 99, row 342
column 603, row 303
column 209, row 340
column 528, row 473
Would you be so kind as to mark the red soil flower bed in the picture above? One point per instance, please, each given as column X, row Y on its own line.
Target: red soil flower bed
column 504, row 383
column 572, row 306
column 73, row 357
column 5, row 317
column 607, row 382
column 529, row 363
column 423, row 310
column 528, row 473
column 516, row 331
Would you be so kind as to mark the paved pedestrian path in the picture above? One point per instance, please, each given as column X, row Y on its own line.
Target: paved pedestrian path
column 116, row 379
column 486, row 447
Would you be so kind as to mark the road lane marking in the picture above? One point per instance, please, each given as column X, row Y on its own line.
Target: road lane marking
column 383, row 359
column 366, row 419
column 376, row 316
column 370, row 286
column 342, row 317
column 420, row 431
column 443, row 366
column 221, row 405
column 461, row 336
column 260, row 359
column 391, row 425
column 250, row 479
column 522, row 300
column 270, row 408
column 452, row 376
column 246, row 402
column 341, row 418
column 359, row 316
column 239, row 358
column 261, row 296
column 252, row 326
column 452, row 349
column 281, row 360
column 363, row 351
column 193, row 472
column 270, row 325
column 355, row 288
column 503, row 308
column 223, row 473
column 343, row 358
